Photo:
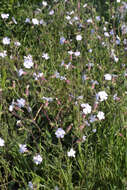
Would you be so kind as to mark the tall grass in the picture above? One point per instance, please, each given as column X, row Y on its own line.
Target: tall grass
column 63, row 119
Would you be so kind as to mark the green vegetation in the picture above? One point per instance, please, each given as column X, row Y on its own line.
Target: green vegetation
column 63, row 93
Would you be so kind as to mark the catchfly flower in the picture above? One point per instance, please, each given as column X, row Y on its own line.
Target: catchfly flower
column 79, row 37
column 4, row 16
column 22, row 148
column 45, row 56
column 6, row 41
column 28, row 61
column 1, row 142
column 101, row 115
column 108, row 77
column 71, row 153
column 86, row 108
column 37, row 159
column 35, row 21
column 21, row 102
column 60, row 133
column 102, row 95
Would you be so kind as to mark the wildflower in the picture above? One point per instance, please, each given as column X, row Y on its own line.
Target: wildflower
column 78, row 37
column 98, row 18
column 86, row 108
column 62, row 40
column 28, row 61
column 51, row 12
column 20, row 102
column 45, row 56
column 42, row 22
column 68, row 17
column 100, row 115
column 20, row 72
column 37, row 159
column 4, row 16
column 118, row 1
column 92, row 118
column 11, row 107
column 60, row 133
column 77, row 53
column 35, row 21
column 22, row 148
column 47, row 99
column 90, row 50
column 3, row 54
column 89, row 20
column 14, row 20
column 17, row 44
column 70, row 52
column 94, row 130
column 108, row 76
column 6, row 41
column 27, row 20
column 44, row 3
column 71, row 153
column 102, row 95
column 106, row 34
column 84, row 138
column 85, row 5
column 30, row 185
column 1, row 142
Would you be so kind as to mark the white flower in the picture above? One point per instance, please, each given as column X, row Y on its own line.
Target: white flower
column 118, row 1
column 14, row 20
column 20, row 102
column 11, row 107
column 86, row 108
column 28, row 61
column 62, row 40
column 45, row 56
column 42, row 22
column 17, row 44
column 35, row 21
column 22, row 148
column 27, row 20
column 94, row 130
column 60, row 133
column 102, row 95
column 92, row 118
column 68, row 17
column 108, row 77
column 84, row 138
column 3, row 54
column 89, row 20
column 85, row 5
column 47, row 99
column 78, row 37
column 77, row 53
column 101, row 115
column 20, row 72
column 98, row 18
column 1, row 142
column 30, row 185
column 51, row 12
column 6, row 41
column 106, row 34
column 37, row 159
column 44, row 3
column 71, row 153
column 70, row 52
column 4, row 16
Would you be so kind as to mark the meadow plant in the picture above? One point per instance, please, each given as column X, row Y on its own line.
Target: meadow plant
column 63, row 95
